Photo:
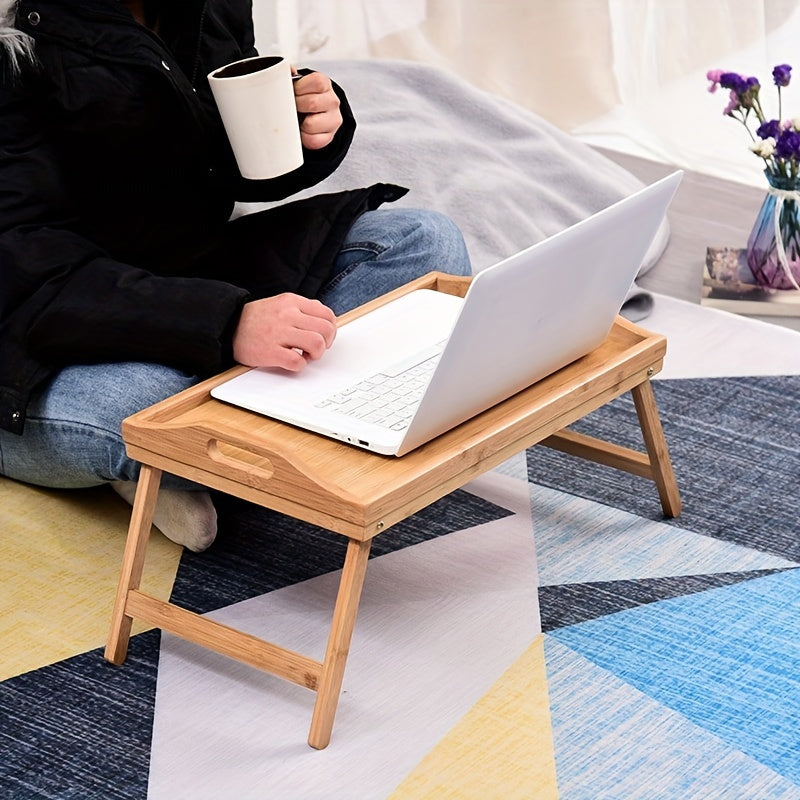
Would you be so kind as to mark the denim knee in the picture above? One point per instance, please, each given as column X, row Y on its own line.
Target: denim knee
column 445, row 242
column 390, row 247
column 72, row 436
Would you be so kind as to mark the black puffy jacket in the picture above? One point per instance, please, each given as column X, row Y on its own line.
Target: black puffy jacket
column 117, row 180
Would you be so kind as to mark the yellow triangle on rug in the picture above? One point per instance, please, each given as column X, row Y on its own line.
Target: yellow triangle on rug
column 60, row 555
column 502, row 747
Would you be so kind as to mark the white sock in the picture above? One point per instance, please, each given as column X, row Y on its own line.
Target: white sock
column 187, row 518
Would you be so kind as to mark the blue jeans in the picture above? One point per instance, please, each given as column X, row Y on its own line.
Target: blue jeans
column 72, row 435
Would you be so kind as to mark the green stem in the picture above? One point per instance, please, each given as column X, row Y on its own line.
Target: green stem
column 757, row 108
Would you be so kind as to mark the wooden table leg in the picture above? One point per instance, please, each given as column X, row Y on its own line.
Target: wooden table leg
column 344, row 619
column 660, row 463
column 133, row 562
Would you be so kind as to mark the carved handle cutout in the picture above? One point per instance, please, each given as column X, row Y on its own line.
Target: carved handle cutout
column 249, row 467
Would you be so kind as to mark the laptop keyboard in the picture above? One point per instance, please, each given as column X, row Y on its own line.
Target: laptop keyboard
column 387, row 400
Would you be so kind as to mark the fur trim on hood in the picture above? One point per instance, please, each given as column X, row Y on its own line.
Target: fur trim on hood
column 15, row 46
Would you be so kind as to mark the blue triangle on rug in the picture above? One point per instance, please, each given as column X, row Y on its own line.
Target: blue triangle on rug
column 612, row 741
column 727, row 659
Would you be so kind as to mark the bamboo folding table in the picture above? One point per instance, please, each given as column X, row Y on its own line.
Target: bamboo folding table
column 359, row 494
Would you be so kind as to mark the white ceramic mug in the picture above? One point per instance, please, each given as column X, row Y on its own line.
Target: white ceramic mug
column 255, row 98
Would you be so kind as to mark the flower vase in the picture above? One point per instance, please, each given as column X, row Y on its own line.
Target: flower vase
column 773, row 248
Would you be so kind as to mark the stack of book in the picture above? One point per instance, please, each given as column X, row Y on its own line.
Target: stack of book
column 729, row 284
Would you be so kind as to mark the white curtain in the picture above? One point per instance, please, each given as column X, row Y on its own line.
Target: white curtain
column 625, row 74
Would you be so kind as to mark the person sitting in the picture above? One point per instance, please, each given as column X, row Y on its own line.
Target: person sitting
column 126, row 276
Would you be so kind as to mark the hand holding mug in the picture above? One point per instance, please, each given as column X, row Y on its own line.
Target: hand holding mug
column 318, row 106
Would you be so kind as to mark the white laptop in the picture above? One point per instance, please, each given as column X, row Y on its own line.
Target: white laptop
column 521, row 320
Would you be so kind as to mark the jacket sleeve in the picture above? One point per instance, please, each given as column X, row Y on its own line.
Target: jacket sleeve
column 64, row 300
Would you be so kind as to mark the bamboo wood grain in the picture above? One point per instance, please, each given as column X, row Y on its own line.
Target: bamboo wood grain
column 600, row 451
column 345, row 489
column 344, row 620
column 664, row 476
column 223, row 639
column 360, row 494
column 132, row 562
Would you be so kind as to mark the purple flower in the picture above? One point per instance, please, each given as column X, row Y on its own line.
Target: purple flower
column 733, row 104
column 739, row 84
column 771, row 128
column 782, row 74
column 714, row 75
column 775, row 141
column 734, row 82
column 788, row 144
column 746, row 89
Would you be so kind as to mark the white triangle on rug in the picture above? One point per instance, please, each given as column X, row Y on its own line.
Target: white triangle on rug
column 505, row 486
column 611, row 740
column 581, row 541
column 709, row 343
column 439, row 622
column 514, row 467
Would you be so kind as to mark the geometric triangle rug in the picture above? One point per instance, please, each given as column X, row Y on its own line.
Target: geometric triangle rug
column 668, row 667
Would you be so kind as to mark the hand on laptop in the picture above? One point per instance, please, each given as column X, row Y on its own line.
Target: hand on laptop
column 284, row 331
